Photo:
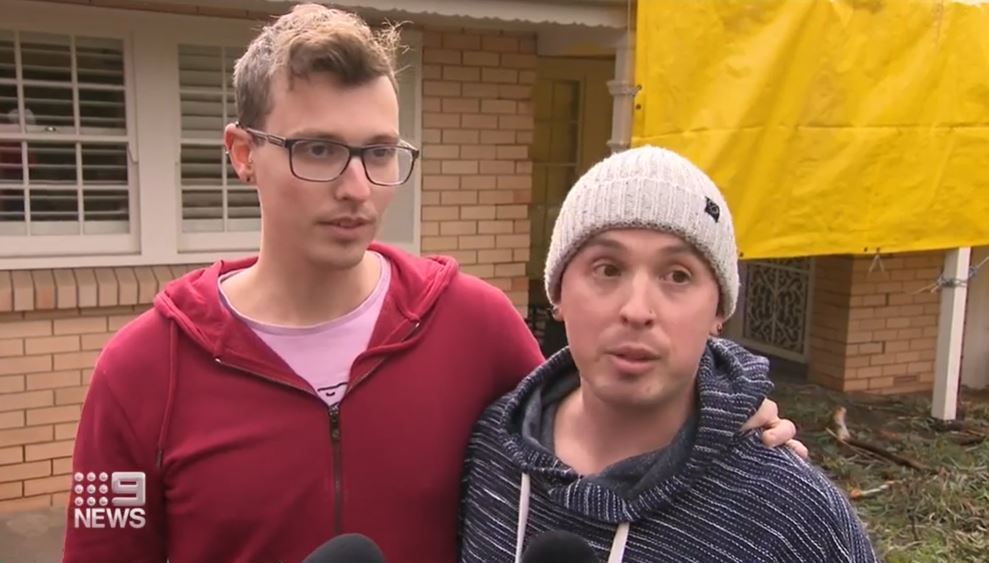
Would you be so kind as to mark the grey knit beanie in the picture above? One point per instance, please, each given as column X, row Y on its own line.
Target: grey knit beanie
column 647, row 188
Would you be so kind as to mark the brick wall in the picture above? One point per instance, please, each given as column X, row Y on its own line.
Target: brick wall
column 872, row 330
column 53, row 324
column 477, row 175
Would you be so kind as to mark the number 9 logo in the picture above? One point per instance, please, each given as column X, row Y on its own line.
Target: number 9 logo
column 128, row 488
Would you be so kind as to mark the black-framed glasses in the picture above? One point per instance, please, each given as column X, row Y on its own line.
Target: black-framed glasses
column 323, row 160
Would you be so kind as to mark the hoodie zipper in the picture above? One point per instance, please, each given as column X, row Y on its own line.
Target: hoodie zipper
column 336, row 433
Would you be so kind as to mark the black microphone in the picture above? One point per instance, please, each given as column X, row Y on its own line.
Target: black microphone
column 347, row 548
column 559, row 547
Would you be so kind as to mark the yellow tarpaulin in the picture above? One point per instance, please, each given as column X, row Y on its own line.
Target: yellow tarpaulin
column 833, row 127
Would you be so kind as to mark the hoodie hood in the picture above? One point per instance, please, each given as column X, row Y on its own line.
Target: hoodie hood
column 731, row 384
column 193, row 305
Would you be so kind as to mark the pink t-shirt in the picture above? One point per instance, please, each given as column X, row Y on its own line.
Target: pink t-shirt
column 323, row 354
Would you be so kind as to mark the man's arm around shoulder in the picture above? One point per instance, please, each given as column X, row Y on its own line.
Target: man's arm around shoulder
column 514, row 350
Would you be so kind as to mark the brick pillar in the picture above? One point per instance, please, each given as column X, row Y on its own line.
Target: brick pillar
column 873, row 331
column 477, row 174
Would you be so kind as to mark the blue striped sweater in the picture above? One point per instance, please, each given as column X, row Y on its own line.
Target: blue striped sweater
column 731, row 498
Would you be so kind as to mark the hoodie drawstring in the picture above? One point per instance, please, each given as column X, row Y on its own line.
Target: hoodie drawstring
column 523, row 516
column 616, row 554
column 173, row 368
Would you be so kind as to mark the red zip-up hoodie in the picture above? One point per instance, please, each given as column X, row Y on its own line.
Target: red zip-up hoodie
column 244, row 463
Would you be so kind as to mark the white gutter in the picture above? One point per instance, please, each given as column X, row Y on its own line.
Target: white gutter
column 507, row 11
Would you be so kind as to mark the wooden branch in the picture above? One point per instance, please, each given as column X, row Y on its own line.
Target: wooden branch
column 857, row 493
column 844, row 436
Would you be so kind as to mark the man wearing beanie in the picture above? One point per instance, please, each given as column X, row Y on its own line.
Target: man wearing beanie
column 633, row 436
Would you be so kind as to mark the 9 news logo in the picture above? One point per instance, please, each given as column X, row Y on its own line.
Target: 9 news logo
column 109, row 501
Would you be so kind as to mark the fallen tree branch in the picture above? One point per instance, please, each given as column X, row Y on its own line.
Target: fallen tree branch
column 856, row 493
column 845, row 437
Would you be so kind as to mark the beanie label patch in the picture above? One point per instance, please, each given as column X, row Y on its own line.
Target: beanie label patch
column 712, row 209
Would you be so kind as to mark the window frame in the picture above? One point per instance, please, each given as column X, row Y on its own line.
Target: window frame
column 59, row 248
column 151, row 67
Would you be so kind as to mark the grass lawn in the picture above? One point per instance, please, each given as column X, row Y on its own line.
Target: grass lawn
column 939, row 514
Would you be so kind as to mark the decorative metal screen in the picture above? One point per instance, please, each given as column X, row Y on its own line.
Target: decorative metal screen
column 777, row 302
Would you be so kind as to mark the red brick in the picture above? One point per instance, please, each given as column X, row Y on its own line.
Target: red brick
column 48, row 451
column 432, row 136
column 479, row 212
column 11, row 455
column 48, row 415
column 458, row 228
column 441, row 56
column 464, row 256
column 478, row 152
column 509, row 270
column 435, row 244
column 460, row 105
column 460, row 167
column 75, row 360
column 495, row 256
column 21, row 436
column 512, row 212
column 462, row 41
column 80, row 325
column 66, row 431
column 500, row 44
column 497, row 167
column 462, row 73
column 28, row 503
column 478, row 121
column 508, row 107
column 11, row 490
column 54, row 484
column 515, row 122
column 513, row 241
column 515, row 182
column 880, row 382
column 11, row 384
column 25, row 329
column 12, row 419
column 440, row 120
column 26, row 400
column 495, row 227
column 440, row 213
column 441, row 151
column 480, row 90
column 117, row 322
column 61, row 466
column 497, row 138
column 461, row 136
column 480, row 58
column 51, row 344
column 497, row 197
column 15, row 347
column 479, row 270
column 440, row 183
column 476, row 242
column 459, row 198
column 21, row 471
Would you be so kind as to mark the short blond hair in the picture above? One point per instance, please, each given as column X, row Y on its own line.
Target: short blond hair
column 311, row 39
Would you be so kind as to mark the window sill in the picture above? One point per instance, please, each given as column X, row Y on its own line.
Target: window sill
column 83, row 288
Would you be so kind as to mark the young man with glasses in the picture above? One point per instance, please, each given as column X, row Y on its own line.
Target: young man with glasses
column 329, row 384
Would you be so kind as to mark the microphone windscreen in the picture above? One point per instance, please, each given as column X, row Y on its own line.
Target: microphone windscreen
column 559, row 547
column 347, row 548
